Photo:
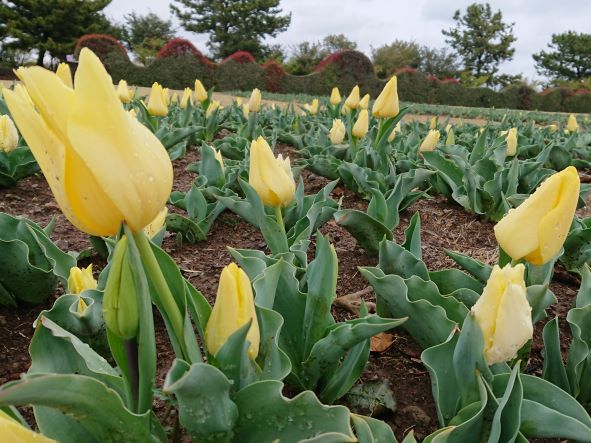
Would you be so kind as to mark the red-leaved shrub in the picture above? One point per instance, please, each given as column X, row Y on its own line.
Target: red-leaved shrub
column 100, row 44
column 274, row 73
column 240, row 57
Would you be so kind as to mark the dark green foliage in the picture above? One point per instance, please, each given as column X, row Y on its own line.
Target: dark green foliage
column 568, row 58
column 243, row 76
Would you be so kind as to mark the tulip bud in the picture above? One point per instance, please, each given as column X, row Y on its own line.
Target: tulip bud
column 361, row 126
column 448, row 127
column 254, row 103
column 8, row 134
column 200, row 92
column 337, row 132
column 572, row 124
column 238, row 101
column 504, row 314
column 537, row 228
column 335, row 96
column 186, row 98
column 215, row 104
column 364, row 102
column 156, row 103
column 245, row 110
column 352, row 101
column 166, row 96
column 430, row 142
column 233, row 308
column 11, row 431
column 433, row 123
column 270, row 177
column 156, row 225
column 81, row 279
column 511, row 142
column 218, row 156
column 552, row 127
column 451, row 138
column 392, row 135
column 175, row 98
column 123, row 92
column 120, row 309
column 313, row 107
column 386, row 105
column 65, row 75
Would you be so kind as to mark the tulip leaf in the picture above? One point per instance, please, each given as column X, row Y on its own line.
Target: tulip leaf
column 370, row 430
column 368, row 231
column 395, row 259
column 476, row 268
column 554, row 370
column 507, row 417
column 412, row 236
column 266, row 415
column 274, row 363
column 539, row 298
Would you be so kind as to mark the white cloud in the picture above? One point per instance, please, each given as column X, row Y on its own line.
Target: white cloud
column 376, row 22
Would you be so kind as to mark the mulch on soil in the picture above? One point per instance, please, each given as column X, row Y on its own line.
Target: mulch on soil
column 444, row 226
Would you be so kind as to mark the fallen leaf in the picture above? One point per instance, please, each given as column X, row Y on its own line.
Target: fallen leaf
column 381, row 342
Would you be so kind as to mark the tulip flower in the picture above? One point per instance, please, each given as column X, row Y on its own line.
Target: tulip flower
column 572, row 124
column 200, row 92
column 270, row 177
column 245, row 110
column 361, row 126
column 386, row 105
column 335, row 96
column 238, row 101
column 156, row 225
column 448, row 127
column 451, row 138
column 254, row 103
column 218, row 156
column 392, row 135
column 537, row 228
column 103, row 166
column 433, row 123
column 313, row 107
column 504, row 314
column 65, row 75
column 364, row 102
column 156, row 103
column 430, row 142
column 123, row 91
column 175, row 98
column 81, row 279
column 215, row 104
column 8, row 134
column 337, row 132
column 352, row 101
column 233, row 308
column 186, row 98
column 552, row 127
column 166, row 96
column 511, row 142
column 12, row 431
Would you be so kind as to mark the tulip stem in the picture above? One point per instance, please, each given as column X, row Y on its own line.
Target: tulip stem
column 131, row 352
column 165, row 297
column 279, row 218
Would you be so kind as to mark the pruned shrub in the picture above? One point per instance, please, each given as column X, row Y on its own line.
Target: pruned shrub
column 180, row 47
column 101, row 44
column 274, row 73
column 240, row 57
column 232, row 75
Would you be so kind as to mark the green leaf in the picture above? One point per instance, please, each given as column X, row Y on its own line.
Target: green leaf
column 507, row 418
column 554, row 370
column 368, row 231
column 370, row 430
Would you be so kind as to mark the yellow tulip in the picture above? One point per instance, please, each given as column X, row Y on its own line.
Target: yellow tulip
column 238, row 101
column 215, row 104
column 352, row 101
column 245, row 110
column 218, row 156
column 361, row 126
column 552, row 127
column 156, row 103
column 233, row 308
column 12, row 431
column 433, row 123
column 8, row 134
column 124, row 92
column 313, row 107
column 430, row 142
column 364, row 102
column 200, row 92
column 572, row 124
column 271, row 177
column 254, row 103
column 504, row 314
column 337, row 132
column 335, row 96
column 537, row 228
column 392, row 135
column 166, row 96
column 23, row 94
column 175, row 98
column 451, row 138
column 512, row 142
column 81, row 279
column 186, row 98
column 448, row 127
column 65, row 75
column 386, row 105
column 156, row 225
column 102, row 165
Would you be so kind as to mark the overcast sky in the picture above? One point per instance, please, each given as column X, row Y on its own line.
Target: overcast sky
column 376, row 22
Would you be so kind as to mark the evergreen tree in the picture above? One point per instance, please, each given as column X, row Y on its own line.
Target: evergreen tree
column 568, row 58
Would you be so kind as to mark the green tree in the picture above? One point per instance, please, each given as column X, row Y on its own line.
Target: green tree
column 568, row 58
column 337, row 42
column 232, row 25
column 396, row 55
column 438, row 62
column 146, row 34
column 482, row 40
column 306, row 55
column 49, row 26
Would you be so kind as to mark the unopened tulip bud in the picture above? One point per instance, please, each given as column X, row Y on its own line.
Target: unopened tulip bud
column 364, row 102
column 218, row 156
column 156, row 104
column 200, row 92
column 361, row 126
column 335, row 96
column 430, row 142
column 313, row 107
column 511, row 142
column 337, row 132
column 79, row 280
column 352, row 101
column 433, row 123
column 386, row 105
column 8, row 134
column 213, row 106
column 186, row 98
column 254, row 103
column 123, row 91
column 451, row 138
column 392, row 135
column 572, row 124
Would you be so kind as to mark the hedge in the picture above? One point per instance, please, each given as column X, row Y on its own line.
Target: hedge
column 344, row 69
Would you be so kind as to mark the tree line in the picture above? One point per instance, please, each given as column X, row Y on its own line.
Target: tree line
column 479, row 40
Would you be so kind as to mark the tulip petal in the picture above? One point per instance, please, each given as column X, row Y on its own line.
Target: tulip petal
column 222, row 320
column 129, row 162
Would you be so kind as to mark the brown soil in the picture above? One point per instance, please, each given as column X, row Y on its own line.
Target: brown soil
column 444, row 226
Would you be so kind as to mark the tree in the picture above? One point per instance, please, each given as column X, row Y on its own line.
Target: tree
column 146, row 34
column 438, row 62
column 306, row 55
column 482, row 40
column 396, row 55
column 568, row 58
column 49, row 25
column 232, row 25
column 337, row 42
